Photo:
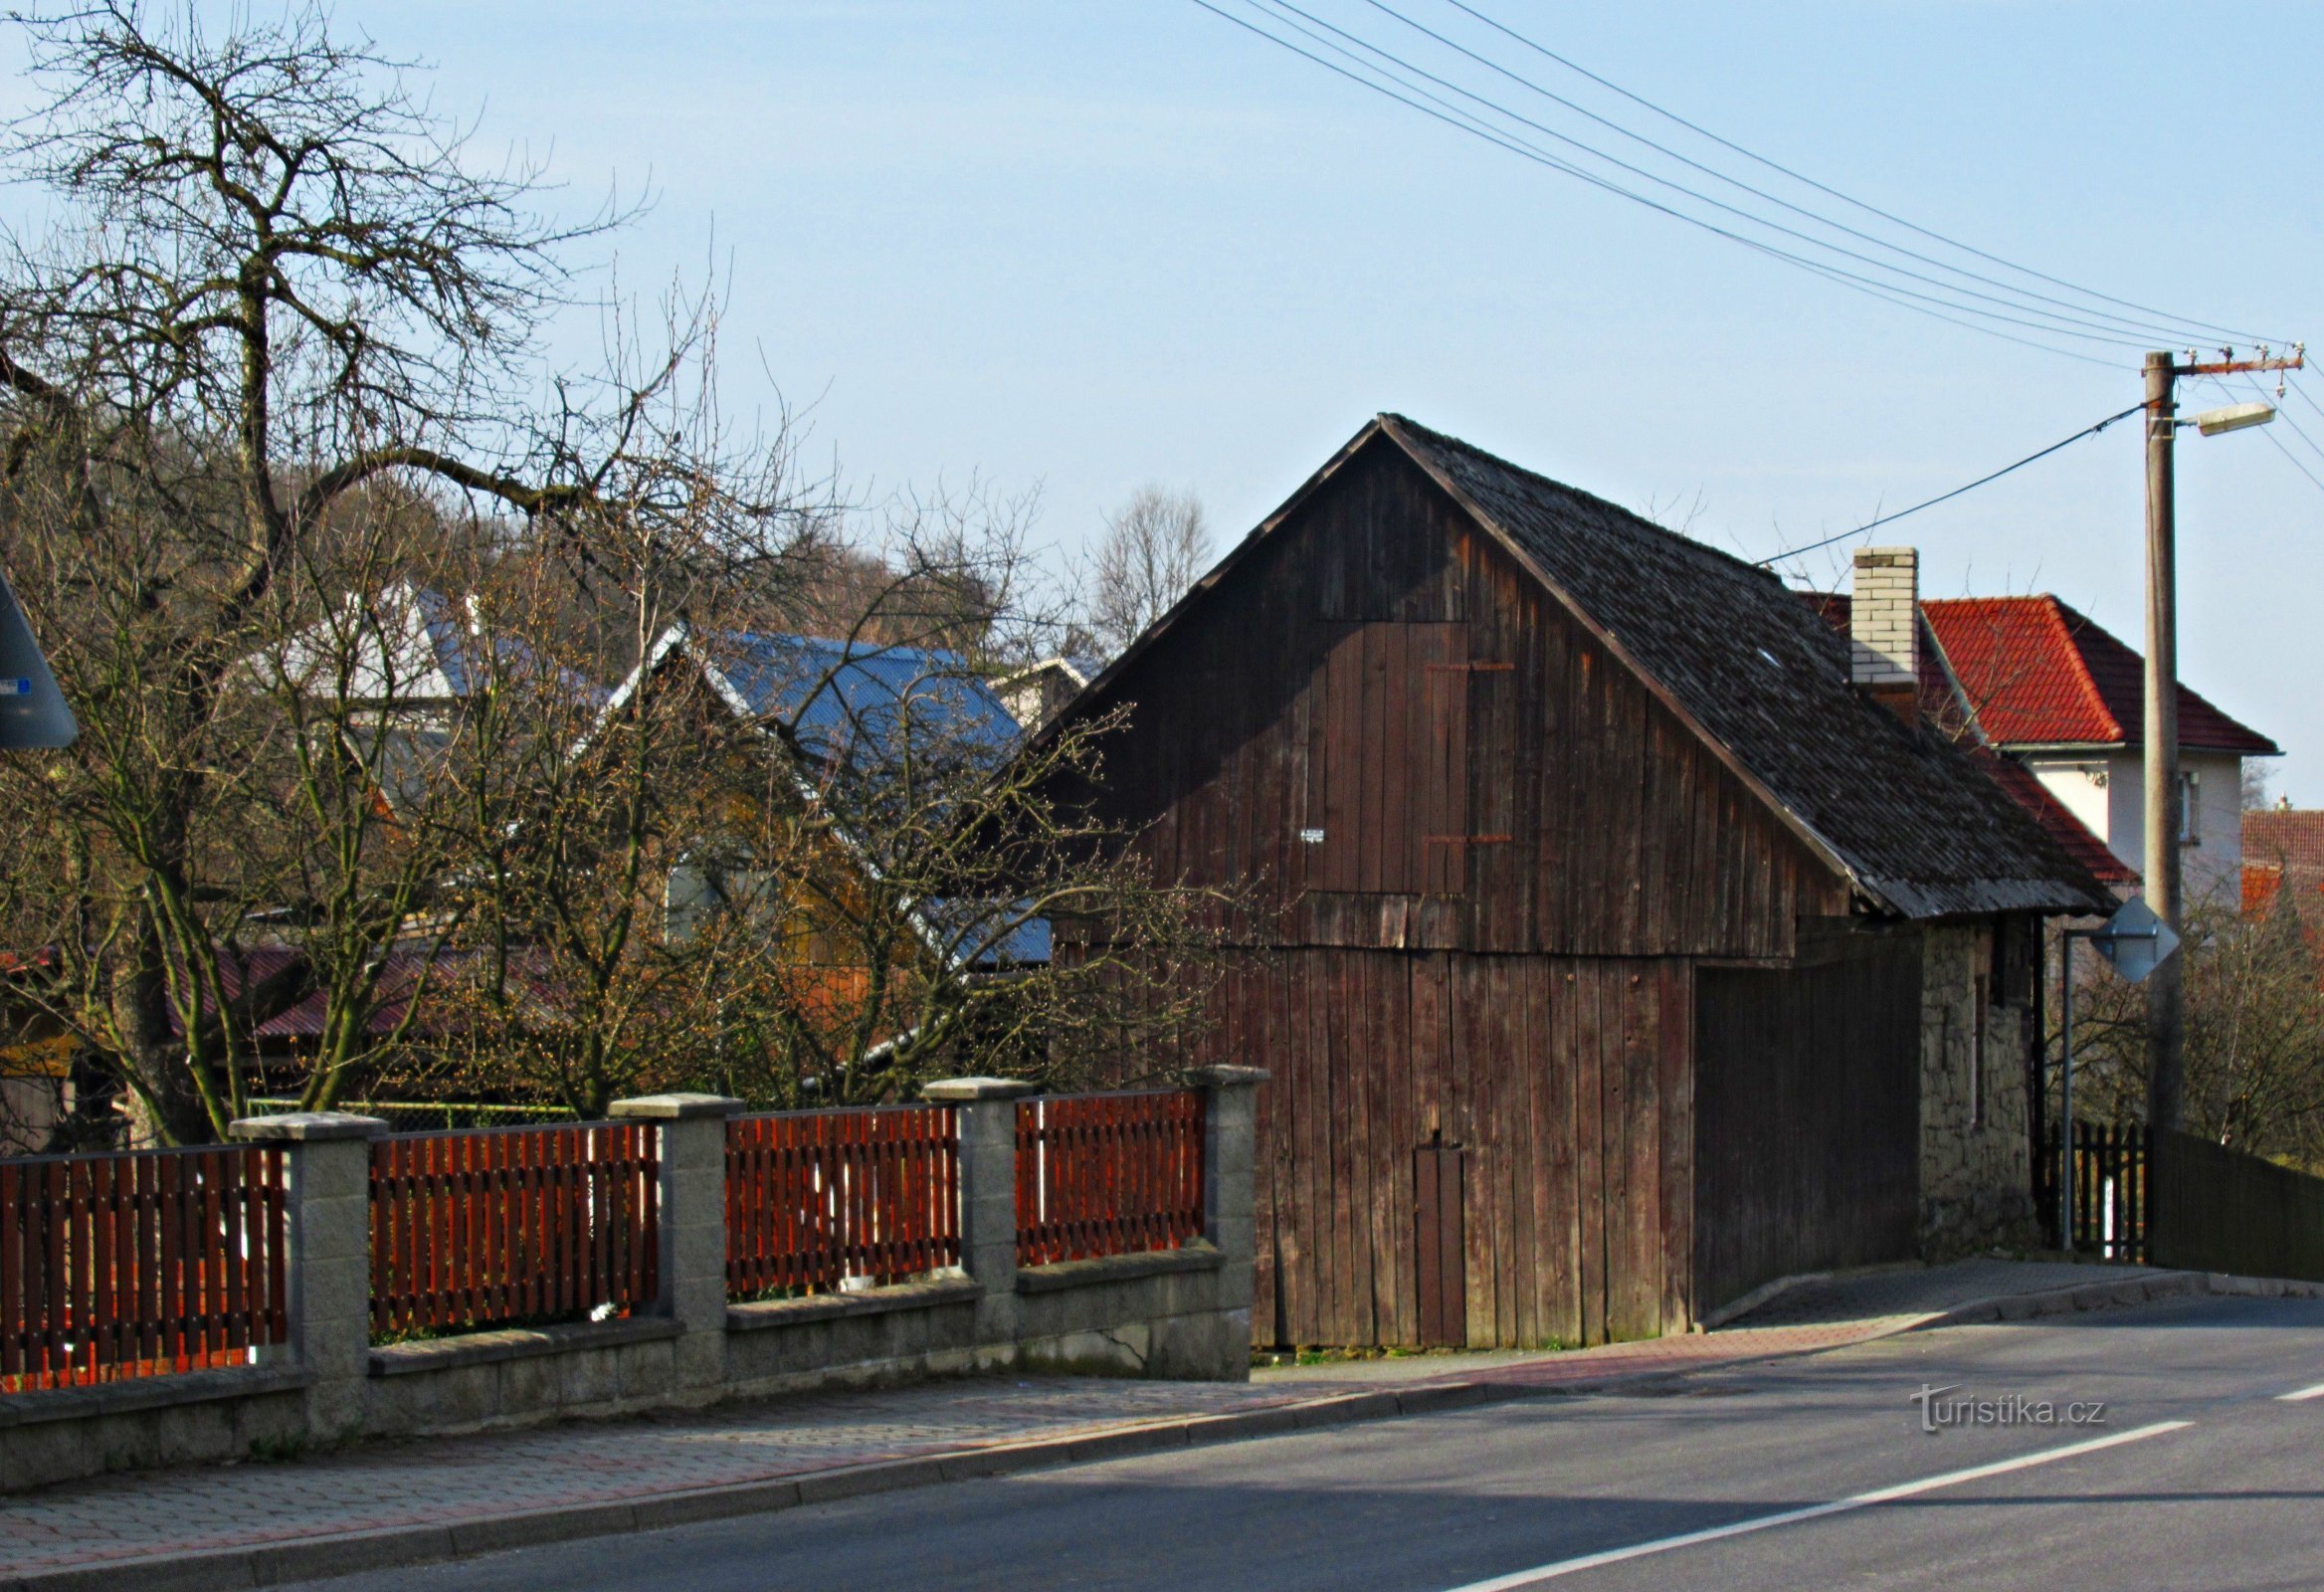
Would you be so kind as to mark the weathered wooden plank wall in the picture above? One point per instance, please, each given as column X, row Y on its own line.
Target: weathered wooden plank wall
column 1480, row 858
column 1808, row 1116
column 1472, row 770
column 1563, row 1082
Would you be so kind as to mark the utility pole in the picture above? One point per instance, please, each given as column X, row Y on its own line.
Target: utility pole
column 2166, row 989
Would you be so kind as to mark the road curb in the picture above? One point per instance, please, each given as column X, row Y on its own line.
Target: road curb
column 2114, row 1294
column 343, row 1554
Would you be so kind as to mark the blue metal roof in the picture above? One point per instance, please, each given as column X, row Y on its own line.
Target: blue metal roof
column 839, row 695
column 857, row 701
column 1027, row 944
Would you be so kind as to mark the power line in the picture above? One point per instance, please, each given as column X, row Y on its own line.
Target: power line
column 2171, row 330
column 2289, row 457
column 1886, row 520
column 1845, row 198
column 2282, row 414
column 2297, row 386
column 2065, row 326
column 1888, row 292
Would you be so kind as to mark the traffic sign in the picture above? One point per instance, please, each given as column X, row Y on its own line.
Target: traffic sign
column 32, row 709
column 2135, row 941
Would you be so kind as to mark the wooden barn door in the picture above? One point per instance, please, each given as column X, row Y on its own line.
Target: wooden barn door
column 1387, row 803
column 1440, row 1245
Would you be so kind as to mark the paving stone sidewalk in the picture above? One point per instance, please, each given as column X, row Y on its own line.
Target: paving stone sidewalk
column 137, row 1522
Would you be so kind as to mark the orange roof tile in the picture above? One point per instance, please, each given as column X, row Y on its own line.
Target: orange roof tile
column 2038, row 672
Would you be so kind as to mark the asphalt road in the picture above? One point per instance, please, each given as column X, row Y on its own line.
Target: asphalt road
column 1805, row 1472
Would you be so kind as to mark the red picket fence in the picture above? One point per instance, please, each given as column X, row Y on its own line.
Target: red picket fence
column 141, row 1263
column 485, row 1226
column 1107, row 1174
column 814, row 1197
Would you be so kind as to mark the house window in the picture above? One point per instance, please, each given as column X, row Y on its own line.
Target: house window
column 2189, row 808
column 1981, row 993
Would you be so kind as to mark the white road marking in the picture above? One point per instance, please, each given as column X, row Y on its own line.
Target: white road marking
column 1862, row 1501
column 2316, row 1392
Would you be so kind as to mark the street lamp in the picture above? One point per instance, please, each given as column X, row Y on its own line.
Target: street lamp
column 2211, row 422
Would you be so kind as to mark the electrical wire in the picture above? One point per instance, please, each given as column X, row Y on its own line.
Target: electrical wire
column 2166, row 329
column 2289, row 457
column 2066, row 319
column 1845, row 198
column 2281, row 413
column 2055, row 322
column 2293, row 380
column 1888, row 292
column 1886, row 520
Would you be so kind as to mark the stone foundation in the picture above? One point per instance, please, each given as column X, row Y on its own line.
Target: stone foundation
column 1976, row 1167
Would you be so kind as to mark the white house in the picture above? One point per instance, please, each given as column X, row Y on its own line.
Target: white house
column 2051, row 689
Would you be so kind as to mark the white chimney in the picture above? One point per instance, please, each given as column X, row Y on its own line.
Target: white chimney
column 1885, row 628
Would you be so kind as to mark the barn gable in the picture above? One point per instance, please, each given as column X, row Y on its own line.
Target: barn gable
column 1728, row 654
column 1397, row 739
column 1590, row 909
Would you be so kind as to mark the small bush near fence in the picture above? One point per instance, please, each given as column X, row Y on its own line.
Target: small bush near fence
column 817, row 1198
column 491, row 1227
column 1107, row 1174
column 138, row 1264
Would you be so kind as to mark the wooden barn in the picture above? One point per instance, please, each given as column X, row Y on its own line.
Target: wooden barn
column 1617, row 937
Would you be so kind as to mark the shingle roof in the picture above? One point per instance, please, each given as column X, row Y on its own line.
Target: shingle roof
column 2038, row 672
column 2054, row 816
column 1900, row 809
column 1943, row 704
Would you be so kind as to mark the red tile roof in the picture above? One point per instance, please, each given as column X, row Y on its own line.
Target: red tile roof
column 2290, row 837
column 1941, row 705
column 2054, row 814
column 2283, row 850
column 2038, row 672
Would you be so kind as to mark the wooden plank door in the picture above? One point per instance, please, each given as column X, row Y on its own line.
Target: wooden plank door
column 1440, row 1245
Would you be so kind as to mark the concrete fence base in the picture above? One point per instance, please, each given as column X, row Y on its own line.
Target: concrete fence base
column 1180, row 1313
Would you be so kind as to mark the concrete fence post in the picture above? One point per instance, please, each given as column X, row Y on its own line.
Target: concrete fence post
column 988, row 1192
column 693, row 1223
column 1230, row 1151
column 327, row 1210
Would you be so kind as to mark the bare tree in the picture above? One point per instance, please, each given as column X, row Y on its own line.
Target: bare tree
column 2255, row 791
column 275, row 277
column 276, row 365
column 2254, row 1035
column 1155, row 547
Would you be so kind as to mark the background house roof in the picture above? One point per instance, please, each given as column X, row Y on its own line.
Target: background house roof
column 2036, row 671
column 2283, row 851
column 2286, row 836
column 849, row 703
column 1944, row 705
column 1915, row 822
column 835, row 694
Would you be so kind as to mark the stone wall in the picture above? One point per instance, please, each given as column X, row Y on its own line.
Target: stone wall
column 1177, row 1313
column 1976, row 1166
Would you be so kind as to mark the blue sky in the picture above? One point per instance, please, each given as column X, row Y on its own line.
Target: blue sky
column 1086, row 244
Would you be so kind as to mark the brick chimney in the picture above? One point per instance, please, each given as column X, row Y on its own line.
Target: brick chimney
column 1884, row 627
